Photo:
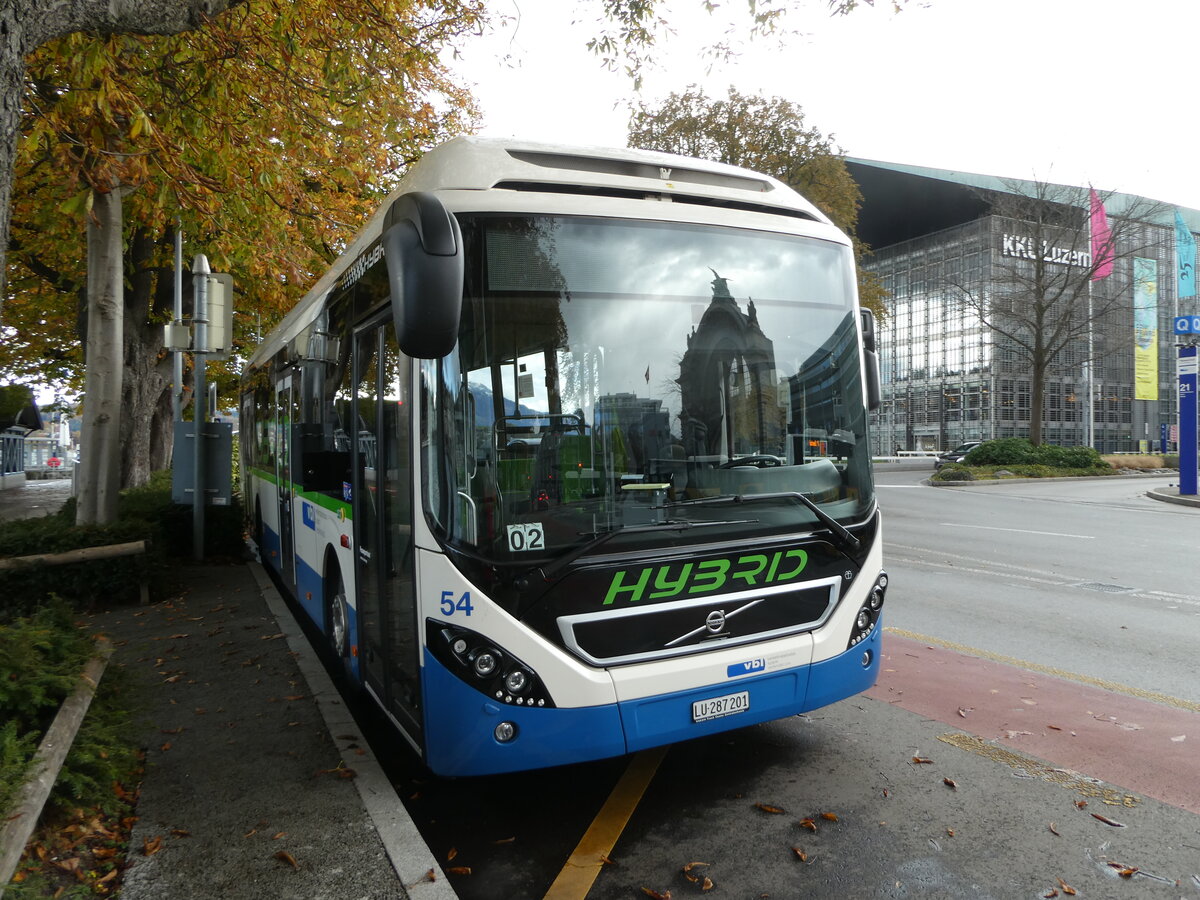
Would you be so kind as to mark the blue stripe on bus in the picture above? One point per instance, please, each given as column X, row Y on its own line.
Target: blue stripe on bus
column 460, row 720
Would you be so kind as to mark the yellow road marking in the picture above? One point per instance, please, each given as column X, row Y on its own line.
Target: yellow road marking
column 1032, row 768
column 1113, row 686
column 579, row 874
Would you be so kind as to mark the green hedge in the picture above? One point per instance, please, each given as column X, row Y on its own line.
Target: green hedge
column 1020, row 452
column 143, row 513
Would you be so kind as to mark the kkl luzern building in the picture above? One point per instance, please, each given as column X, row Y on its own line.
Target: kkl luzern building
column 988, row 275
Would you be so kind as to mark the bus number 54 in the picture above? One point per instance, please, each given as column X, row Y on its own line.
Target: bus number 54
column 450, row 606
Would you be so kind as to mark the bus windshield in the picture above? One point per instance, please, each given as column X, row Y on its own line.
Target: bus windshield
column 622, row 384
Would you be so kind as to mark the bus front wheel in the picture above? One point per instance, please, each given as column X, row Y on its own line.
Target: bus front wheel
column 337, row 617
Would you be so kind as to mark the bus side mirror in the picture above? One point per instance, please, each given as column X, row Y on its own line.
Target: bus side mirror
column 868, row 329
column 871, row 360
column 423, row 248
column 874, row 388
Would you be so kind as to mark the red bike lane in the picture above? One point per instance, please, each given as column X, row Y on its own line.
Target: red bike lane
column 1141, row 743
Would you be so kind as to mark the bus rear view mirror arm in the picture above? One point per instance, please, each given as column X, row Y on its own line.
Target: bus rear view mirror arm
column 422, row 245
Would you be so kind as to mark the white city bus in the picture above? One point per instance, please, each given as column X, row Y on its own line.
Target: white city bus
column 567, row 455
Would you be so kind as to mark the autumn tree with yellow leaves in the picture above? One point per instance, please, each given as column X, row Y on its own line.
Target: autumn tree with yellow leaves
column 268, row 136
column 265, row 130
column 26, row 25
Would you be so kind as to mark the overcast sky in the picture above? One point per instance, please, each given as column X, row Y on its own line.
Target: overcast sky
column 1072, row 91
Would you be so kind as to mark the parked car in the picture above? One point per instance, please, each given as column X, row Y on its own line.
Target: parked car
column 955, row 455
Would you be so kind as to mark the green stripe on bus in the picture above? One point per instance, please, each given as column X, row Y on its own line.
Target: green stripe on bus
column 265, row 475
column 333, row 504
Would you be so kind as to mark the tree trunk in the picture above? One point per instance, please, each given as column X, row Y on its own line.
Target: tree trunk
column 98, row 475
column 146, row 430
column 1037, row 402
column 12, row 90
column 146, row 405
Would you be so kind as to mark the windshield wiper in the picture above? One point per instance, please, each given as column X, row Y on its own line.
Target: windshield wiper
column 842, row 534
column 561, row 562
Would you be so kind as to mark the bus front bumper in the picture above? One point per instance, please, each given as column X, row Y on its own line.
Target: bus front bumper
column 460, row 737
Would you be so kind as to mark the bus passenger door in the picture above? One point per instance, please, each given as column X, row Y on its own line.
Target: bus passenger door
column 283, row 477
column 383, row 508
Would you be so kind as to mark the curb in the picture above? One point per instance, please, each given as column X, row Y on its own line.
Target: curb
column 1160, row 495
column 1176, row 498
column 410, row 856
column 22, row 817
column 980, row 482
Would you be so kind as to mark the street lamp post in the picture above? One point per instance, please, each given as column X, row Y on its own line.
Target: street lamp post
column 200, row 273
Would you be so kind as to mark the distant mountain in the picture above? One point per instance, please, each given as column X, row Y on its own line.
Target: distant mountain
column 485, row 411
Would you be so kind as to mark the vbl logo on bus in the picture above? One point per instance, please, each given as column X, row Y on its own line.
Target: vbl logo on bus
column 745, row 668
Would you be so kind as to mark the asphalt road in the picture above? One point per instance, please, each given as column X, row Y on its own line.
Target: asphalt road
column 1037, row 664
column 1088, row 576
column 34, row 498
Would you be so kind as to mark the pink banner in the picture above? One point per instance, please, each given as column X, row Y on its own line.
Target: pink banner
column 1102, row 251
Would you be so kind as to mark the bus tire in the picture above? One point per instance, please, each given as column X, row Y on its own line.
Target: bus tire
column 337, row 615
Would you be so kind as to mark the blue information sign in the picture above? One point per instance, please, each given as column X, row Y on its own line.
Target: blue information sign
column 1187, row 324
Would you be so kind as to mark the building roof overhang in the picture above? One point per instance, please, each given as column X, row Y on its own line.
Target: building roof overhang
column 902, row 202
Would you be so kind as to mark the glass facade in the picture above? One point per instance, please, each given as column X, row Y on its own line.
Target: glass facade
column 949, row 378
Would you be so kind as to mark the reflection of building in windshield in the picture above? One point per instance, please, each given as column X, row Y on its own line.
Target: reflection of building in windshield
column 727, row 380
column 820, row 390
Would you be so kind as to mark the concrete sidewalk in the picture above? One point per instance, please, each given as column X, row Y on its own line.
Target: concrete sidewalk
column 257, row 784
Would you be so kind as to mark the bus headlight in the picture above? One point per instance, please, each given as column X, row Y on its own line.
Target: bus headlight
column 480, row 663
column 868, row 615
column 484, row 663
column 505, row 732
column 516, row 681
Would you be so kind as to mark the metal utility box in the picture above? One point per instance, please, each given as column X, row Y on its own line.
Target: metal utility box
column 220, row 316
column 218, row 463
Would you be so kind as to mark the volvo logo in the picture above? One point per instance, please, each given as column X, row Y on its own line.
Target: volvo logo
column 714, row 624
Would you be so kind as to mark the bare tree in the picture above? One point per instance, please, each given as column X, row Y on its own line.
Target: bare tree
column 1048, row 291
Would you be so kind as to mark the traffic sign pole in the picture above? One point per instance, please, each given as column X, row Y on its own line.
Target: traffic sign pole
column 200, row 273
